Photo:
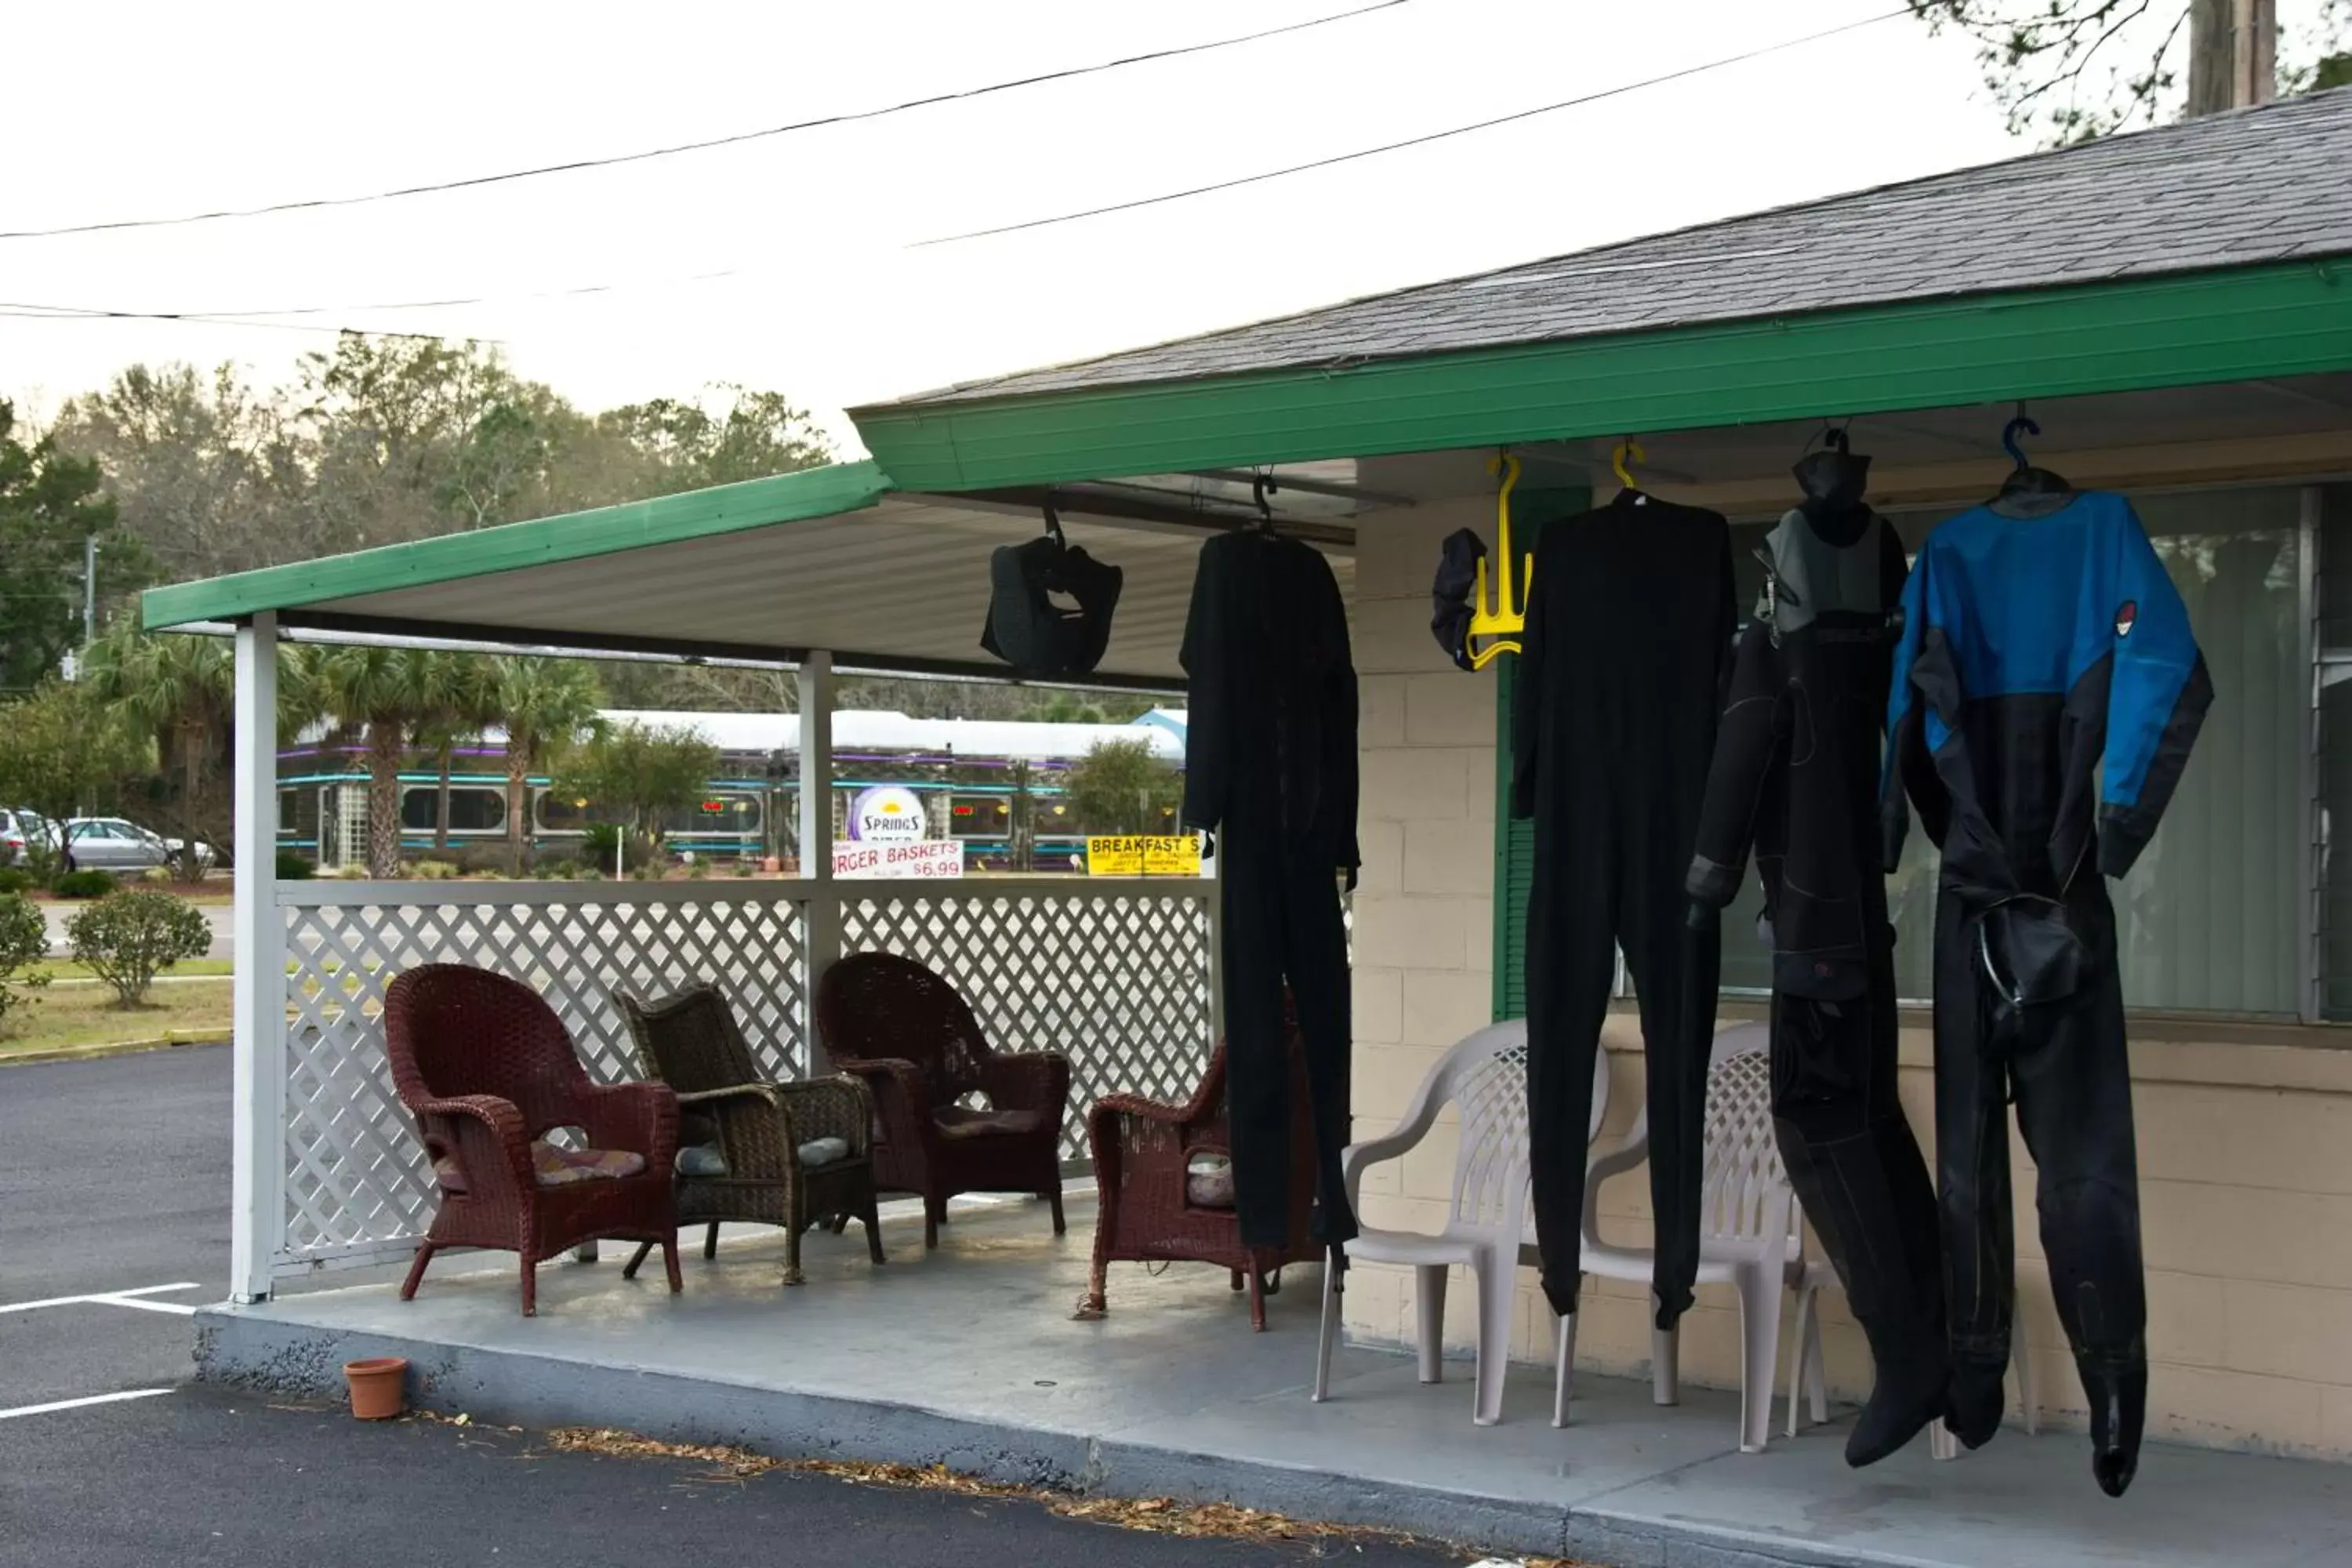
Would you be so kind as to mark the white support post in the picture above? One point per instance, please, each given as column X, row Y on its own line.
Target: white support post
column 816, row 833
column 258, row 1186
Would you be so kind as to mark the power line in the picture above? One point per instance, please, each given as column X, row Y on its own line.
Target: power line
column 257, row 318
column 576, row 165
column 1415, row 141
column 205, row 319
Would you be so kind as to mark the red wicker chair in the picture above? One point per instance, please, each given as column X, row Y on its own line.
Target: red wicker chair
column 487, row 1070
column 1145, row 1213
column 905, row 1031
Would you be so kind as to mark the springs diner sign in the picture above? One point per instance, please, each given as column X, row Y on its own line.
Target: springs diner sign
column 888, row 829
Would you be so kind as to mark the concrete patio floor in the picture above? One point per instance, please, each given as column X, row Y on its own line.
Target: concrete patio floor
column 968, row 1357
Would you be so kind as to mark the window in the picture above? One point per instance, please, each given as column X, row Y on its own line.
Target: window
column 473, row 808
column 2209, row 920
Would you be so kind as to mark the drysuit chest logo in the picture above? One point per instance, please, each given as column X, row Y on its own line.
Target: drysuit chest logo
column 2126, row 615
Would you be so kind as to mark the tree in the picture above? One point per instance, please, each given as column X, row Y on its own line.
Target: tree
column 545, row 704
column 66, row 752
column 391, row 693
column 181, row 690
column 460, row 697
column 638, row 774
column 2074, row 70
column 1120, row 787
column 49, row 504
column 760, row 434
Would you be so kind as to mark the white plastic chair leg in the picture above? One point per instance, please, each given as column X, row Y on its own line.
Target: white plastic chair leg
column 1330, row 1331
column 1804, row 1341
column 1760, row 1326
column 2023, row 1363
column 1817, row 1376
column 1563, row 1376
column 1666, row 1366
column 1941, row 1443
column 1429, row 1305
column 1498, row 1275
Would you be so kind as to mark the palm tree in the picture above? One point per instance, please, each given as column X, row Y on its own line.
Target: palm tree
column 544, row 704
column 389, row 692
column 463, row 691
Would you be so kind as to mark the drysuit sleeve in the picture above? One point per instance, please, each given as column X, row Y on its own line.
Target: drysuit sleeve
column 1341, row 721
column 1746, row 740
column 1906, row 744
column 1206, row 652
column 2156, row 700
column 1528, row 688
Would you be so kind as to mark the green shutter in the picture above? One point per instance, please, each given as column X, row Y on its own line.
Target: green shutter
column 1515, row 840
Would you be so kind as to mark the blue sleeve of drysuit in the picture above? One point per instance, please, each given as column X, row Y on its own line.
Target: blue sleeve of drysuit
column 2157, row 699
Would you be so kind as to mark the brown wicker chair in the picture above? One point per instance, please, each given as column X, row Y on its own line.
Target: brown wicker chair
column 905, row 1031
column 487, row 1070
column 1145, row 1212
column 692, row 1043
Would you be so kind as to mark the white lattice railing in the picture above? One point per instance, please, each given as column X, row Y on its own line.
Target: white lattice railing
column 1117, row 975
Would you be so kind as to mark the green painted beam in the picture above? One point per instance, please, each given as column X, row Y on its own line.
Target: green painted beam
column 2275, row 320
column 575, row 536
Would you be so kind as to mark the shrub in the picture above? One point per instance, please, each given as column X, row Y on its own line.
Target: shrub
column 157, row 876
column 127, row 937
column 24, row 942
column 293, row 868
column 434, row 870
column 84, row 885
column 16, row 879
column 478, row 859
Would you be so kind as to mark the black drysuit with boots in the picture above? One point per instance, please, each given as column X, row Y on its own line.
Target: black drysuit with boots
column 1270, row 767
column 1627, row 641
column 2047, row 691
column 1796, row 776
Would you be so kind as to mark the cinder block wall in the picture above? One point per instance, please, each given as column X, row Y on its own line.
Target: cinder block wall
column 2245, row 1132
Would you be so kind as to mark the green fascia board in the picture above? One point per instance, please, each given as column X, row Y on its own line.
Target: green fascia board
column 574, row 536
column 2195, row 327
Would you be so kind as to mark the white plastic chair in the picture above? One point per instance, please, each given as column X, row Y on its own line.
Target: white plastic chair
column 1749, row 1236
column 1486, row 1076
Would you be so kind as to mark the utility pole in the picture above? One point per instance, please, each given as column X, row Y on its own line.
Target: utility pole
column 89, row 589
column 2233, row 54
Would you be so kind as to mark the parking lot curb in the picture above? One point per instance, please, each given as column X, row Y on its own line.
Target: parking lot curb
column 168, row 1041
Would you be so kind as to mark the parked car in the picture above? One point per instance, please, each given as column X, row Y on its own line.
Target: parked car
column 113, row 844
column 20, row 829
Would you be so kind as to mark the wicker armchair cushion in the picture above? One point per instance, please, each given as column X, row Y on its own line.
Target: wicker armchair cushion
column 1209, row 1181
column 962, row 1122
column 710, row 1160
column 554, row 1167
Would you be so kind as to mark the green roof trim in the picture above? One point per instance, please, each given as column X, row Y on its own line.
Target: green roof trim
column 2288, row 319
column 574, row 536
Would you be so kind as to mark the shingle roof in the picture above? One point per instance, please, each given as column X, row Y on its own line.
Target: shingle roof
column 2256, row 186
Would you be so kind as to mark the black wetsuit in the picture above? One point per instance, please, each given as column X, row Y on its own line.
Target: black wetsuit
column 1271, row 768
column 2048, row 690
column 1627, row 640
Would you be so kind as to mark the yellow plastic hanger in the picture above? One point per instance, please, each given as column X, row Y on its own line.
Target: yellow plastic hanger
column 1505, row 616
column 1629, row 448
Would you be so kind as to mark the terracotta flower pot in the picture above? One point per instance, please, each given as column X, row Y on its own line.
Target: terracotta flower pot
column 376, row 1392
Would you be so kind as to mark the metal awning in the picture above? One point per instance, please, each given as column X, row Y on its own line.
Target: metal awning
column 829, row 559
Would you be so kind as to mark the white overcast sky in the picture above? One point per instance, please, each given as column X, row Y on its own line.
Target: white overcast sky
column 120, row 111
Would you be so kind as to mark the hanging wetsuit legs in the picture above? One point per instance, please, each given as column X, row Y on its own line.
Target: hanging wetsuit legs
column 1282, row 921
column 1614, row 700
column 2066, row 1065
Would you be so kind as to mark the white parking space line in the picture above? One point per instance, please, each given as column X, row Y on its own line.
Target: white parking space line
column 79, row 1404
column 112, row 1299
column 175, row 1308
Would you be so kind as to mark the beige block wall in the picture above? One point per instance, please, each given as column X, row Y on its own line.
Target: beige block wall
column 2245, row 1132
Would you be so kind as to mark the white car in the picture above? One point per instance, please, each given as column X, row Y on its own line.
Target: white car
column 113, row 844
column 20, row 829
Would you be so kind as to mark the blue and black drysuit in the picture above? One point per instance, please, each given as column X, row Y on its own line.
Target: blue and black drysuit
column 2047, row 692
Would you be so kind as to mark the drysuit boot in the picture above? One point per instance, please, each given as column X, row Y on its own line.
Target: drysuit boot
column 1868, row 1199
column 2117, row 1390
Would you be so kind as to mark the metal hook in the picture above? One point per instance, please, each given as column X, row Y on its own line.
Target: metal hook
column 2008, row 437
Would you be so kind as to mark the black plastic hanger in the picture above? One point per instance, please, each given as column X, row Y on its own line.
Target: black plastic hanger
column 1261, row 487
column 1053, row 526
column 2028, row 489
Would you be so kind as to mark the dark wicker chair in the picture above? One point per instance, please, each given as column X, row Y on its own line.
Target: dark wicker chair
column 487, row 1070
column 1145, row 1212
column 691, row 1042
column 905, row 1031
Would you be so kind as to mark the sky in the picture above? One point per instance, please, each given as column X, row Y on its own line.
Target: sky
column 825, row 292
